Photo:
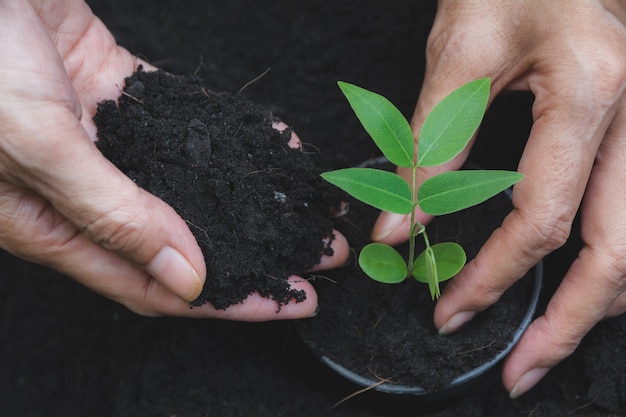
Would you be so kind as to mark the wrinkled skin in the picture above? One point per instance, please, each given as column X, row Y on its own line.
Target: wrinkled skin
column 572, row 57
column 62, row 203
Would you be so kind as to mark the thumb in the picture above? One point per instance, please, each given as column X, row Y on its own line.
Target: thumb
column 467, row 42
column 65, row 167
column 392, row 228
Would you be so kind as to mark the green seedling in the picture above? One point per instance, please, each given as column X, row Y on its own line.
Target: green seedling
column 445, row 133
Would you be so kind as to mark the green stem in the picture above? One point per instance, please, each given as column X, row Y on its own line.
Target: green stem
column 416, row 227
column 433, row 278
column 426, row 241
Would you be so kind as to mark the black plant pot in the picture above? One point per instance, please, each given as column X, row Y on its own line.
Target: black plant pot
column 354, row 309
column 466, row 383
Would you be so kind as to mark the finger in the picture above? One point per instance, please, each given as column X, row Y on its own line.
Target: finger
column 294, row 140
column 556, row 161
column 594, row 286
column 393, row 228
column 582, row 299
column 448, row 67
column 257, row 308
column 60, row 163
column 619, row 305
column 341, row 252
column 468, row 41
column 33, row 230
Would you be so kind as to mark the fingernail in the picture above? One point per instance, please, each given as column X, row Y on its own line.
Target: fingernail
column 527, row 381
column 317, row 310
column 175, row 273
column 455, row 322
column 392, row 222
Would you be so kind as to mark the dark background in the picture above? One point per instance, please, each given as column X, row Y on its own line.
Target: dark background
column 65, row 351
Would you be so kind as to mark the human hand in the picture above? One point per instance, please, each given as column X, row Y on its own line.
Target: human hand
column 572, row 58
column 62, row 203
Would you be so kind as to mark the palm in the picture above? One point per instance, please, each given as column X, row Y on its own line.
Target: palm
column 95, row 64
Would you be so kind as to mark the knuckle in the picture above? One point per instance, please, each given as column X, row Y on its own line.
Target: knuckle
column 141, row 310
column 436, row 43
column 609, row 68
column 561, row 337
column 615, row 264
column 146, row 300
column 554, row 234
column 446, row 47
column 32, row 228
column 486, row 291
column 603, row 72
column 118, row 230
column 551, row 232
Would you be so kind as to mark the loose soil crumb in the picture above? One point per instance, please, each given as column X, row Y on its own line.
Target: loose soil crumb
column 257, row 207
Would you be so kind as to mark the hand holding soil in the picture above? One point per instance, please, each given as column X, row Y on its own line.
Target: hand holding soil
column 572, row 59
column 62, row 203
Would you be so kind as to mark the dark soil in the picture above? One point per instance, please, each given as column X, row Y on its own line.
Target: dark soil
column 386, row 331
column 257, row 207
column 65, row 351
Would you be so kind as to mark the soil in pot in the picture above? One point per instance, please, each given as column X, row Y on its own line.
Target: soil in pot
column 258, row 208
column 386, row 332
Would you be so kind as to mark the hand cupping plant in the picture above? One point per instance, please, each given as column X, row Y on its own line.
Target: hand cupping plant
column 444, row 134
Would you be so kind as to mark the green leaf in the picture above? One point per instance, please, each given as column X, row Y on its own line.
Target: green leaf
column 457, row 190
column 449, row 258
column 452, row 123
column 383, row 190
column 383, row 263
column 383, row 121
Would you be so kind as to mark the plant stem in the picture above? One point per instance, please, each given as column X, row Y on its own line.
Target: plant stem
column 416, row 227
column 412, row 234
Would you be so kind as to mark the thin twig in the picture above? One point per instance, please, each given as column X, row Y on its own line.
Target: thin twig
column 361, row 391
column 316, row 276
column 591, row 402
column 202, row 230
column 378, row 321
column 478, row 348
column 200, row 65
column 255, row 79
column 130, row 96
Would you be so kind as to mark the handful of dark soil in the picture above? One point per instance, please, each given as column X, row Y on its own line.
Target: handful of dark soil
column 257, row 207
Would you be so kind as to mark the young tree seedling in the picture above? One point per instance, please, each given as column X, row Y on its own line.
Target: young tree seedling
column 445, row 133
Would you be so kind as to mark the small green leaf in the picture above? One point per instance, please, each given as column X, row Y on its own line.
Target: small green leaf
column 452, row 123
column 383, row 190
column 449, row 257
column 432, row 279
column 457, row 190
column 383, row 263
column 383, row 121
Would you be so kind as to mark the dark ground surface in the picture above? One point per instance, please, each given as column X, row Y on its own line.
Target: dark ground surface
column 65, row 351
